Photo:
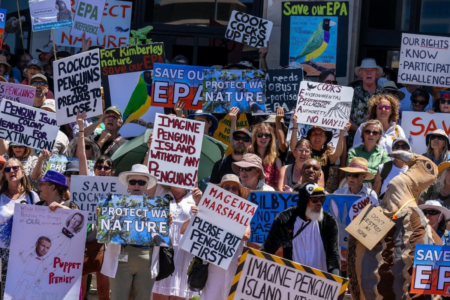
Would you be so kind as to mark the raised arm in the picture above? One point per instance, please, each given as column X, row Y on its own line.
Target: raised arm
column 340, row 145
column 233, row 113
column 279, row 130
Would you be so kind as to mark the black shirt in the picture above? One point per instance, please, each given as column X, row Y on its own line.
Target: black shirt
column 225, row 168
column 325, row 165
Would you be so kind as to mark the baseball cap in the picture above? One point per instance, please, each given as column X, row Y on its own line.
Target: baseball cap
column 244, row 131
column 40, row 76
column 114, row 109
column 400, row 139
column 35, row 62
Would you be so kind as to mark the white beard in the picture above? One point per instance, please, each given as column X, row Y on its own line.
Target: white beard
column 314, row 216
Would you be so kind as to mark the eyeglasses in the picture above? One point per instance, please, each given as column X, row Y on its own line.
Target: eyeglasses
column 249, row 169
column 417, row 102
column 87, row 147
column 15, row 169
column 368, row 132
column 106, row 168
column 18, row 147
column 140, row 182
column 245, row 139
column 317, row 199
column 354, row 175
column 231, row 188
column 444, row 101
column 386, row 107
column 401, row 146
column 265, row 135
column 439, row 137
column 430, row 212
column 42, row 83
column 330, row 82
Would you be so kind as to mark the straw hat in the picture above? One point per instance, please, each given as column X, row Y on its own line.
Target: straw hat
column 139, row 170
column 249, row 160
column 436, row 205
column 440, row 132
column 359, row 165
column 4, row 62
column 243, row 191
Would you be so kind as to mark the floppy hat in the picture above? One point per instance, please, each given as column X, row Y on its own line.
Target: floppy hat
column 249, row 160
column 213, row 119
column 369, row 63
column 139, row 170
column 272, row 119
column 56, row 178
column 440, row 132
column 435, row 204
column 359, row 165
column 244, row 131
column 328, row 133
column 49, row 103
column 392, row 89
column 243, row 191
column 4, row 62
column 72, row 166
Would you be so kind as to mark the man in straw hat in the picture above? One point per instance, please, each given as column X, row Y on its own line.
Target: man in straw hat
column 356, row 172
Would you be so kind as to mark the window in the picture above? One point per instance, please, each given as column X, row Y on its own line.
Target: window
column 434, row 16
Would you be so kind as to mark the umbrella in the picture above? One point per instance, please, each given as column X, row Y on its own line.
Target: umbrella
column 131, row 153
column 212, row 151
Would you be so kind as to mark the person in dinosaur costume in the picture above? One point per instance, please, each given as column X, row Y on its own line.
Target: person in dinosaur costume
column 385, row 271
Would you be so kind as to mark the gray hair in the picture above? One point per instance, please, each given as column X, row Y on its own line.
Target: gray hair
column 442, row 157
column 440, row 182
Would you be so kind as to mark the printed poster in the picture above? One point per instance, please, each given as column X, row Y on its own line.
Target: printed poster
column 88, row 17
column 58, row 163
column 50, row 14
column 2, row 25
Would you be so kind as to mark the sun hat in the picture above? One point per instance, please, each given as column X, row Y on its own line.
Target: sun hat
column 4, row 62
column 272, row 119
column 369, row 63
column 49, row 103
column 400, row 139
column 243, row 191
column 72, row 166
column 249, row 160
column 435, row 204
column 139, row 170
column 390, row 87
column 244, row 131
column 359, row 165
column 56, row 178
column 328, row 133
column 35, row 62
column 213, row 119
column 440, row 132
column 39, row 76
column 114, row 109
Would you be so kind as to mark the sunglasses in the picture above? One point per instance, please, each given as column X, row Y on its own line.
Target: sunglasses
column 330, row 81
column 401, row 146
column 423, row 103
column 18, row 147
column 42, row 83
column 430, row 212
column 249, row 169
column 386, row 107
column 445, row 101
column 106, row 168
column 8, row 169
column 368, row 132
column 245, row 139
column 87, row 147
column 231, row 188
column 354, row 175
column 439, row 137
column 266, row 135
column 317, row 199
column 140, row 182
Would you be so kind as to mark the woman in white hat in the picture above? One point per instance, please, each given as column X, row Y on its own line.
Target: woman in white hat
column 437, row 146
column 440, row 190
column 437, row 216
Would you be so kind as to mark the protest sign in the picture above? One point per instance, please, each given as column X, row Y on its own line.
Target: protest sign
column 88, row 16
column 46, row 254
column 248, row 29
column 215, row 232
column 173, row 83
column 58, row 163
column 282, row 88
column 175, row 151
column 133, row 220
column 224, row 89
column 260, row 275
column 17, row 92
column 324, row 104
column 77, row 86
column 2, row 24
column 27, row 126
column 223, row 131
column 310, row 32
column 50, row 14
column 84, row 192
column 431, row 271
column 114, row 28
column 424, row 60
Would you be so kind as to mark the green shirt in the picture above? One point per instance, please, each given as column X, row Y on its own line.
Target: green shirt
column 376, row 157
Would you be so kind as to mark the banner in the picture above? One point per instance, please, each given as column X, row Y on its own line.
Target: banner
column 27, row 126
column 58, row 163
column 215, row 232
column 175, row 151
column 84, row 192
column 324, row 104
column 17, row 92
column 50, row 14
column 114, row 28
column 46, row 254
column 173, row 83
column 310, row 32
column 77, row 86
column 88, row 17
column 224, row 89
column 424, row 60
column 223, row 131
column 133, row 220
column 263, row 276
column 247, row 29
column 2, row 25
column 282, row 88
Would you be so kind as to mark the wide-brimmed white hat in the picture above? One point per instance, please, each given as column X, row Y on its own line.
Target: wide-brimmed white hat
column 369, row 63
column 436, row 205
column 139, row 170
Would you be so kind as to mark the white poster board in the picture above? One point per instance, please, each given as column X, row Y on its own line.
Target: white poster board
column 248, row 29
column 27, row 125
column 50, row 14
column 322, row 104
column 77, row 86
column 84, row 192
column 424, row 60
column 175, row 151
column 222, row 220
column 17, row 93
column 46, row 254
column 88, row 17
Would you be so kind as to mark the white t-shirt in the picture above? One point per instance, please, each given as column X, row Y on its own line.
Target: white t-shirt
column 394, row 172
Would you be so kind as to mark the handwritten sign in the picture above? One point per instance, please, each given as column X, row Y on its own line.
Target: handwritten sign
column 133, row 220
column 47, row 253
column 2, row 24
column 223, row 131
column 84, row 192
column 282, row 88
column 173, row 83
column 324, row 104
column 27, row 126
column 58, row 163
column 215, row 232
column 17, row 93
column 88, row 17
column 50, row 14
column 248, row 29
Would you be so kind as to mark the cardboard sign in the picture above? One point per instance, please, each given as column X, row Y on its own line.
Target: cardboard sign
column 114, row 28
column 224, row 89
column 248, row 29
column 263, row 276
column 27, row 126
column 58, row 163
column 310, row 31
column 50, row 14
column 133, row 220
column 282, row 88
column 17, row 93
column 84, row 192
column 77, row 86
column 175, row 151
column 2, row 24
column 431, row 271
column 324, row 104
column 88, row 17
column 46, row 254
column 173, row 83
column 370, row 226
column 223, row 131
column 424, row 60
column 215, row 232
